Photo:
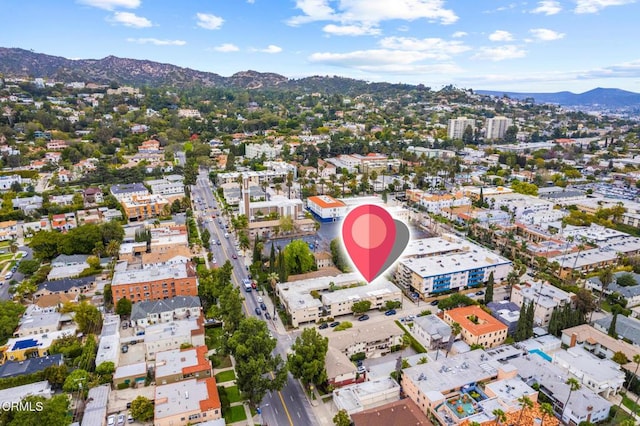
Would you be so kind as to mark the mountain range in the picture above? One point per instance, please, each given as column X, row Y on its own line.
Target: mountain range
column 597, row 98
column 25, row 63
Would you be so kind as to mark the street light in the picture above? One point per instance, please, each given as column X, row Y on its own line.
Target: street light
column 259, row 411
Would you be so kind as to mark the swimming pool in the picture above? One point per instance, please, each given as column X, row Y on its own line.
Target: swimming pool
column 542, row 354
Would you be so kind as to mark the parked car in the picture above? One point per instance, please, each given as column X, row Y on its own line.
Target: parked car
column 434, row 302
column 258, row 311
column 479, row 293
column 323, row 326
column 362, row 369
column 128, row 405
column 121, row 419
column 363, row 317
column 334, row 324
column 267, row 315
column 263, row 306
column 390, row 312
column 125, row 349
column 130, row 419
column 259, row 299
column 235, row 256
column 111, row 420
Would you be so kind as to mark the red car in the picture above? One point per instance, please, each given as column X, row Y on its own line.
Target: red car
column 235, row 256
column 253, row 285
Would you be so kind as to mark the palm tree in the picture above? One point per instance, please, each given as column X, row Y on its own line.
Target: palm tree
column 273, row 279
column 500, row 416
column 574, row 385
column 636, row 359
column 606, row 278
column 547, row 410
column 13, row 247
column 525, row 402
column 455, row 330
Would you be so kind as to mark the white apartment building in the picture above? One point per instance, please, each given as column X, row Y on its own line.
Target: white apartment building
column 257, row 150
column 171, row 186
column 496, row 127
column 457, row 126
column 471, row 268
column 333, row 297
column 326, row 208
column 544, row 296
column 602, row 376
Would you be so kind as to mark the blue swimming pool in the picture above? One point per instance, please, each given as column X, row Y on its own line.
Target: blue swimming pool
column 542, row 354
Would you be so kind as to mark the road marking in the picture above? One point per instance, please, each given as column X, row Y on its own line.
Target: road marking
column 291, row 397
column 286, row 410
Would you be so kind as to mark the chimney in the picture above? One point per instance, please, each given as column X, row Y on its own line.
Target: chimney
column 574, row 339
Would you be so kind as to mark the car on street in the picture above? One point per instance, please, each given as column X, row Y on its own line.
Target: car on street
column 258, row 311
column 334, row 324
column 267, row 315
column 226, row 235
column 259, row 299
column 434, row 302
column 263, row 306
column 363, row 317
column 362, row 369
column 125, row 349
column 479, row 293
column 111, row 420
column 390, row 312
column 218, row 242
column 323, row 326
column 235, row 256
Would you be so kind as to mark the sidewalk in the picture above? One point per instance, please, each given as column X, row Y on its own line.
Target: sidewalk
column 615, row 400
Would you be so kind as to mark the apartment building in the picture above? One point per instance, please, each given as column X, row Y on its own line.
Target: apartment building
column 128, row 190
column 155, row 283
column 187, row 402
column 373, row 340
column 457, row 126
column 451, row 271
column 313, row 299
column 478, row 327
column 182, row 364
column 545, row 298
column 326, row 208
column 143, row 207
column 496, row 127
column 430, row 331
column 170, row 187
column 146, row 313
column 171, row 336
column 257, row 150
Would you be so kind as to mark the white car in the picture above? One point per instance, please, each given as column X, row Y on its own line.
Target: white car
column 111, row 420
column 259, row 299
column 121, row 419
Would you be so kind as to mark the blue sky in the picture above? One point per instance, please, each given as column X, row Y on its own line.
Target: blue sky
column 527, row 46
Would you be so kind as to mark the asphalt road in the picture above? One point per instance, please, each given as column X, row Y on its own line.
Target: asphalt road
column 288, row 406
column 17, row 276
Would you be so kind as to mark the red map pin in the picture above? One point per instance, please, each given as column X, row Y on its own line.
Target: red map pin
column 369, row 234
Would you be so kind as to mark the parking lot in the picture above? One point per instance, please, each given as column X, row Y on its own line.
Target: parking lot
column 118, row 399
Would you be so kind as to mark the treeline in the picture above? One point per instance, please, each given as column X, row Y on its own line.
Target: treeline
column 564, row 317
column 100, row 240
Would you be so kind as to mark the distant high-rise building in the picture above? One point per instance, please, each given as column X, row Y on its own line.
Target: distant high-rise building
column 497, row 127
column 458, row 125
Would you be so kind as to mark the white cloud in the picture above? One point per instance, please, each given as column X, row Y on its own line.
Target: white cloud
column 272, row 48
column 371, row 13
column 112, row 4
column 350, row 30
column 129, row 19
column 157, row 42
column 548, row 7
column 459, row 34
column 593, row 6
column 500, row 35
column 544, row 34
column 429, row 48
column 385, row 61
column 226, row 47
column 499, row 53
column 209, row 21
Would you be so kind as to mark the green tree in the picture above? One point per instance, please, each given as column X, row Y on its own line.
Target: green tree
column 392, row 304
column 76, row 379
column 525, row 402
column 10, row 313
column 342, row 418
column 606, row 278
column 612, row 327
column 55, row 412
column 55, row 375
column 360, row 307
column 108, row 295
column 142, row 409
column 298, row 258
column 123, row 307
column 620, row 358
column 307, row 361
column 205, row 236
column 105, row 370
column 229, row 308
column 88, row 317
column 338, row 256
column 488, row 294
column 626, row 280
column 547, row 410
column 500, row 416
column 252, row 348
column 28, row 267
column 286, row 225
column 574, row 385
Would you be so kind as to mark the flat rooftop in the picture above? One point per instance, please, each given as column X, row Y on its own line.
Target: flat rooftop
column 346, row 338
column 352, row 398
column 581, row 362
column 169, row 363
column 185, row 396
column 141, row 276
column 433, row 266
column 434, row 246
column 18, row 393
column 40, row 341
column 156, row 332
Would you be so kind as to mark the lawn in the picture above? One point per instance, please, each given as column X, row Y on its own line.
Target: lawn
column 235, row 414
column 225, row 376
column 630, row 404
column 212, row 337
column 233, row 394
